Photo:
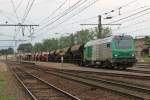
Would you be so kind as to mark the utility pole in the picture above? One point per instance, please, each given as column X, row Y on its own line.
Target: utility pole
column 99, row 26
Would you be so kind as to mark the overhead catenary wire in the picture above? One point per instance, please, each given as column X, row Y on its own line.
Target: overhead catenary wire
column 127, row 3
column 27, row 7
column 28, row 11
column 139, row 29
column 77, row 21
column 55, row 11
column 9, row 18
column 16, row 16
column 132, row 19
column 137, row 22
column 19, row 4
column 134, row 14
column 135, row 17
column 81, row 10
column 70, row 23
column 14, row 9
column 15, row 12
column 66, row 12
column 120, row 7
column 70, row 9
column 133, row 24
column 142, row 7
column 134, row 10
column 15, row 33
column 84, row 8
column 90, row 18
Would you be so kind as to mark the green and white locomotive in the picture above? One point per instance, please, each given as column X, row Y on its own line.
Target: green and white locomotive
column 115, row 51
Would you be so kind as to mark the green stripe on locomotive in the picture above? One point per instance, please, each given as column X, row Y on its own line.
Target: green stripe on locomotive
column 121, row 52
column 88, row 53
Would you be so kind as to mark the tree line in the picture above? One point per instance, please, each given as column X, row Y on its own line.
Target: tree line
column 80, row 37
column 7, row 51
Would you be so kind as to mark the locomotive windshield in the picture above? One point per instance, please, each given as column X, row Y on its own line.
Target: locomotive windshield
column 123, row 42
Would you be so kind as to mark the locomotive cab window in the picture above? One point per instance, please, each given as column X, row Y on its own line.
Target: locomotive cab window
column 123, row 42
column 108, row 45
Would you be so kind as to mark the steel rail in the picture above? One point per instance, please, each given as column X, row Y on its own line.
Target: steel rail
column 96, row 82
column 31, row 94
column 124, row 75
column 92, row 75
column 110, row 85
column 92, row 82
column 60, row 90
column 144, row 88
column 138, row 71
column 146, row 75
column 24, row 86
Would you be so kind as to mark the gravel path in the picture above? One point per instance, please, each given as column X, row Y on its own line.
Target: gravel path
column 12, row 90
column 84, row 92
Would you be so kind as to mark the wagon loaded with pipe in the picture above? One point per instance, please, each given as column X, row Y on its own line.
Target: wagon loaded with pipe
column 77, row 53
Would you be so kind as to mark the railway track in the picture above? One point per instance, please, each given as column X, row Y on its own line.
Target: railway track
column 128, row 70
column 105, row 77
column 138, row 71
column 143, row 65
column 136, row 75
column 133, row 90
column 39, row 89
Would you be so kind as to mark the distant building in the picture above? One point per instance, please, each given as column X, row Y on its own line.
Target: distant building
column 140, row 47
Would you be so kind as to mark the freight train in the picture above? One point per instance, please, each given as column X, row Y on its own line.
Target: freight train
column 111, row 52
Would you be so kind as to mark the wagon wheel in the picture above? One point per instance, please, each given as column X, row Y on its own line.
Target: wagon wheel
column 124, row 67
column 107, row 64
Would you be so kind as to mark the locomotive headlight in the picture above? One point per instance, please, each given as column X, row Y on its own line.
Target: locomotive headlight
column 116, row 55
column 133, row 55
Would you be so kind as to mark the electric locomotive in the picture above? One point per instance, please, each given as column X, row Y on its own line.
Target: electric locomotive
column 115, row 51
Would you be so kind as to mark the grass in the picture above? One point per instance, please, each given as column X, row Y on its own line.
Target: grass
column 2, row 87
column 146, row 58
column 2, row 83
column 6, row 98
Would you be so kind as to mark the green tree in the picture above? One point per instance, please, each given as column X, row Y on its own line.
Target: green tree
column 106, row 32
column 86, row 35
column 38, row 47
column 66, row 41
column 7, row 51
column 79, row 37
column 50, row 44
column 10, row 51
column 25, row 48
column 147, row 41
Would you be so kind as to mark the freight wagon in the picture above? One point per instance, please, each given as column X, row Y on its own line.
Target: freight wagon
column 115, row 51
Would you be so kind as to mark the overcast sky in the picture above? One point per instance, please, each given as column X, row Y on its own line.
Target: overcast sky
column 42, row 13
